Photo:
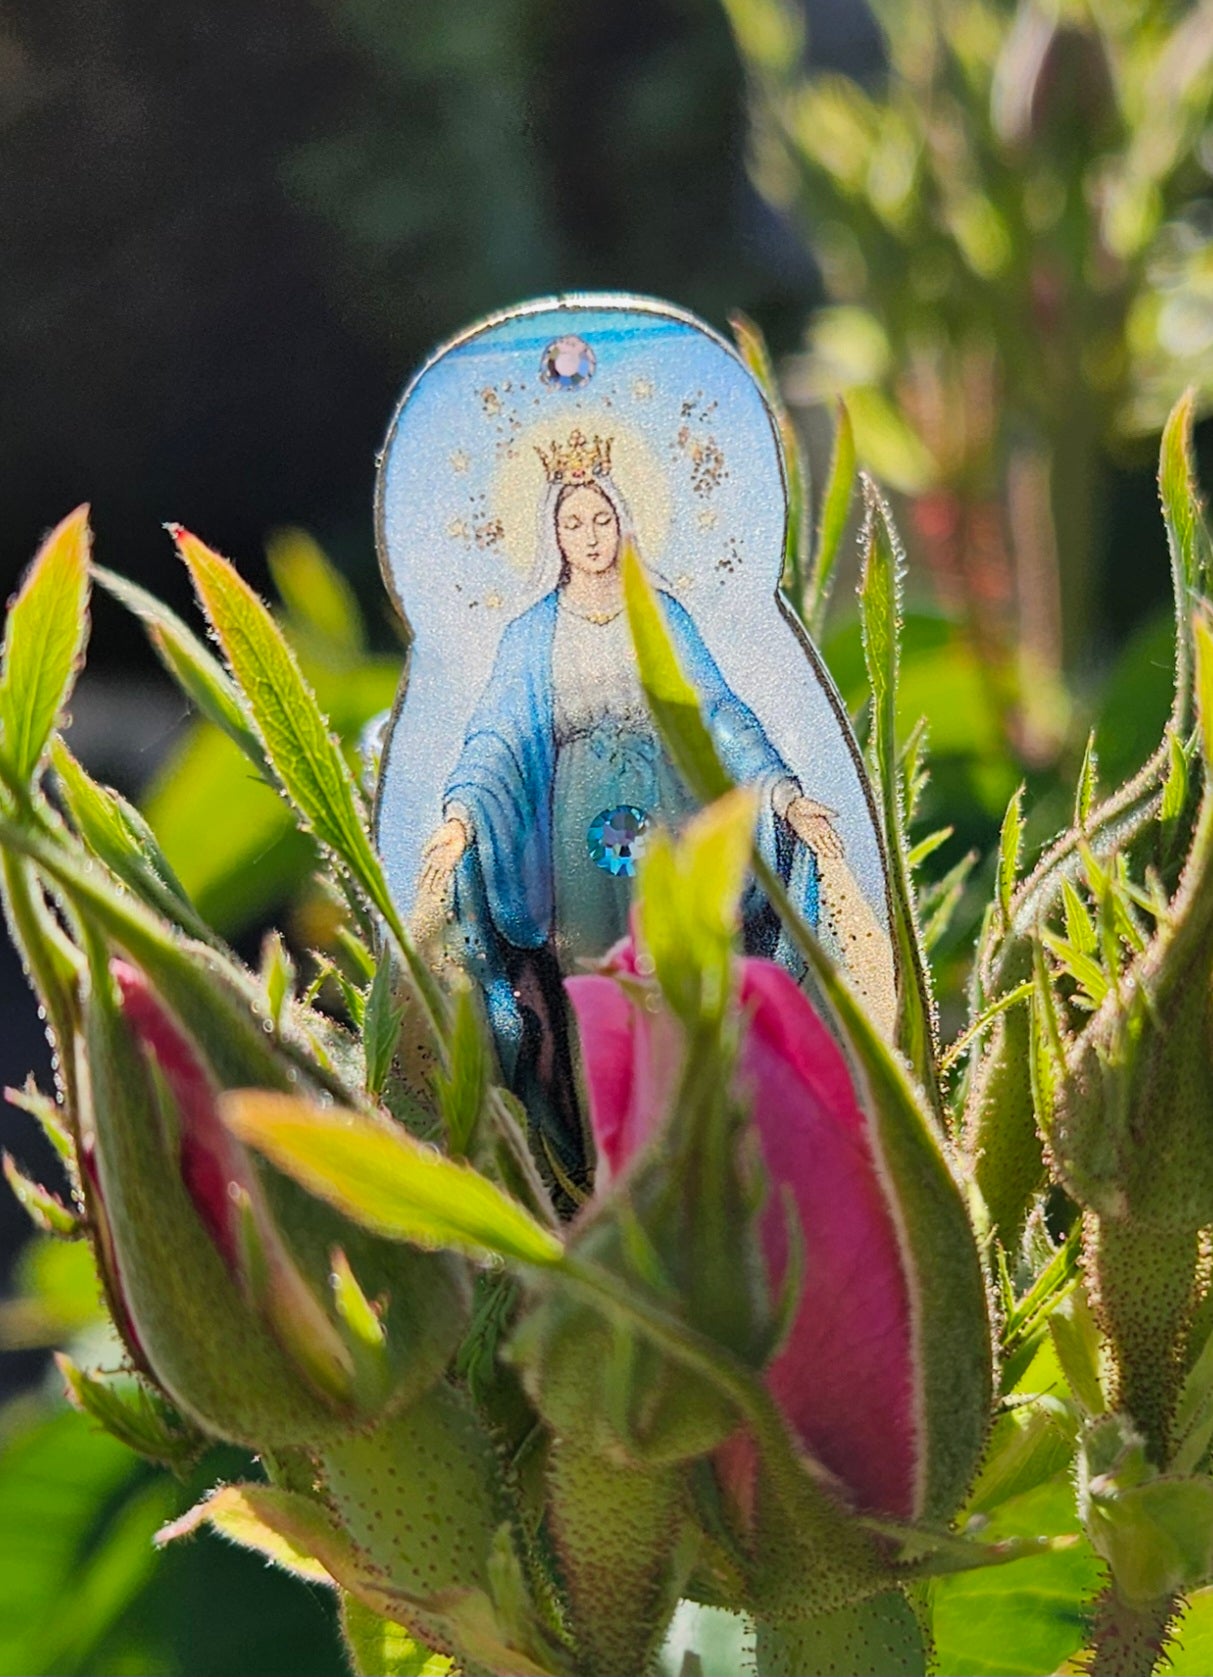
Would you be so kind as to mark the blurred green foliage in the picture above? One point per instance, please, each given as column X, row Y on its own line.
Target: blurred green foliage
column 1013, row 225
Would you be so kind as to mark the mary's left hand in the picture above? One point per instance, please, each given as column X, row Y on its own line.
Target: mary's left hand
column 813, row 824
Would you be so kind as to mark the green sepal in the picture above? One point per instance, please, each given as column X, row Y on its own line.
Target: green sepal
column 880, row 612
column 116, row 833
column 1188, row 542
column 1155, row 1531
column 381, row 1021
column 871, row 1638
column 422, row 1497
column 196, row 671
column 51, row 960
column 175, row 1284
column 680, row 1230
column 134, row 1412
column 45, row 1210
column 620, row 1534
column 999, row 1127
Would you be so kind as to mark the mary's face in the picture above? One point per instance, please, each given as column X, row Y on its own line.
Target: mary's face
column 587, row 530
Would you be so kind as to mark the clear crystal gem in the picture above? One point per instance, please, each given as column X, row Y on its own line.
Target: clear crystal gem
column 616, row 837
column 567, row 363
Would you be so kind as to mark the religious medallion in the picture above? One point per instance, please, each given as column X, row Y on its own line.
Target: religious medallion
column 522, row 770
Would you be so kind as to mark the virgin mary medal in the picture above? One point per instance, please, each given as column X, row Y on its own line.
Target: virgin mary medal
column 521, row 770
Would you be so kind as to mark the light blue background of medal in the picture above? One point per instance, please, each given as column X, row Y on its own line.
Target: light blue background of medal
column 455, row 640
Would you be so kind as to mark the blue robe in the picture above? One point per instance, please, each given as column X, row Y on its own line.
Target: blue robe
column 505, row 893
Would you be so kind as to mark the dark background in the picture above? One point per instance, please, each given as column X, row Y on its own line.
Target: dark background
column 230, row 229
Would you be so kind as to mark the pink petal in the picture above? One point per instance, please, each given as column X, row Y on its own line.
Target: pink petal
column 608, row 1021
column 845, row 1378
column 211, row 1160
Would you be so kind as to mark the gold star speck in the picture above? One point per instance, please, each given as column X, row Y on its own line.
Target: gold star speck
column 457, row 529
column 642, row 389
column 707, row 518
column 459, row 461
column 494, row 602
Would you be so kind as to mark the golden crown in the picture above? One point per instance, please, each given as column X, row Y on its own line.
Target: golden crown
column 579, row 460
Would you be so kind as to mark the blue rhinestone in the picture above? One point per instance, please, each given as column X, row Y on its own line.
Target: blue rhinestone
column 567, row 364
column 615, row 838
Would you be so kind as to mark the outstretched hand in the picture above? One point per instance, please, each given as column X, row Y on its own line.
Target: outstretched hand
column 813, row 824
column 441, row 854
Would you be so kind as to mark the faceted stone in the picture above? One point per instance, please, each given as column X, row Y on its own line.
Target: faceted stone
column 567, row 363
column 616, row 837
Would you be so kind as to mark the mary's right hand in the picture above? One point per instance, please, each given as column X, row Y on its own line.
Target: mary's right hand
column 441, row 855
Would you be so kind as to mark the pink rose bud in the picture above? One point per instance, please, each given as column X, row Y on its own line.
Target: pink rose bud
column 849, row 1377
column 214, row 1166
column 223, row 1272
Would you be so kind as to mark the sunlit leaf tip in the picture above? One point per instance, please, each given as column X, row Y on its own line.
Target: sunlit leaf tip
column 44, row 640
column 385, row 1179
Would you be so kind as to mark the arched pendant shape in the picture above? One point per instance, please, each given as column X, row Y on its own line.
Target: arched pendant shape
column 521, row 770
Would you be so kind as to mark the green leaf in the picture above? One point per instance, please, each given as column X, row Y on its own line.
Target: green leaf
column 316, row 595
column 1083, row 969
column 880, row 609
column 380, row 1648
column 134, row 1414
column 75, row 1543
column 1076, row 1342
column 1088, row 777
column 43, row 647
column 1010, row 845
column 1190, row 1642
column 971, row 1032
column 754, row 353
column 938, row 902
column 277, row 975
column 1030, row 1445
column 55, row 1295
column 45, row 1210
column 237, row 869
column 303, row 753
column 671, row 697
column 51, row 958
column 915, row 774
column 305, row 757
column 1025, row 1619
column 292, row 1531
column 1187, row 540
column 378, row 1175
column 288, row 1529
column 835, row 509
column 1079, row 928
column 1156, row 1537
column 196, row 671
column 1174, row 787
column 1027, row 1319
column 1203, row 632
column 381, row 1026
column 461, row 1091
column 687, row 905
column 928, row 846
column 119, row 836
column 52, row 1117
